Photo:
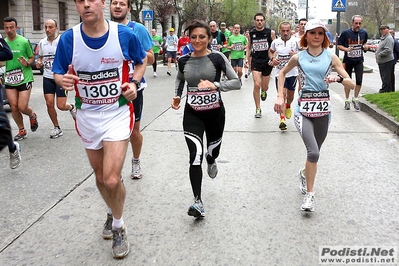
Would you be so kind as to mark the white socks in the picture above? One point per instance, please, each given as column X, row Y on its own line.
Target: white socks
column 117, row 223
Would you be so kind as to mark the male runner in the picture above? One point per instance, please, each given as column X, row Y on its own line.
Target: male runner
column 92, row 60
column 218, row 39
column 282, row 49
column 260, row 39
column 119, row 10
column 353, row 42
column 156, row 48
column 19, row 78
column 237, row 43
column 47, row 48
column 171, row 49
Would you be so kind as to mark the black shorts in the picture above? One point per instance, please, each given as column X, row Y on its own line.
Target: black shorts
column 261, row 66
column 358, row 71
column 22, row 87
column 237, row 62
column 50, row 87
column 289, row 83
column 138, row 106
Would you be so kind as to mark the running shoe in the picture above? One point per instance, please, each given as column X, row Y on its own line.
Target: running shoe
column 73, row 111
column 33, row 122
column 57, row 132
column 212, row 168
column 302, row 182
column 169, row 73
column 21, row 135
column 155, row 74
column 288, row 113
column 258, row 113
column 263, row 95
column 136, row 169
column 107, row 229
column 15, row 157
column 120, row 244
column 308, row 202
column 356, row 104
column 197, row 209
column 283, row 124
column 347, row 105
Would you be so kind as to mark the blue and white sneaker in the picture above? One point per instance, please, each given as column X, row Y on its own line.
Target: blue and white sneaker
column 197, row 209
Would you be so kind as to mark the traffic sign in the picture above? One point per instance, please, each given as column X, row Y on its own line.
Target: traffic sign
column 148, row 15
column 339, row 5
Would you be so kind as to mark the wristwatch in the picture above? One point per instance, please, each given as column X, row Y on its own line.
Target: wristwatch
column 217, row 84
column 138, row 83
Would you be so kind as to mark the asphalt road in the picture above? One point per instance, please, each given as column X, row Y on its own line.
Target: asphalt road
column 53, row 213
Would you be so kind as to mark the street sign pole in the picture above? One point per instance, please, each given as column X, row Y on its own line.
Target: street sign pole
column 338, row 31
column 338, row 6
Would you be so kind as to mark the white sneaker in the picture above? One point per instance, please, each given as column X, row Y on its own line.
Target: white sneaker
column 308, row 202
column 15, row 157
column 136, row 170
column 57, row 132
column 155, row 74
column 302, row 182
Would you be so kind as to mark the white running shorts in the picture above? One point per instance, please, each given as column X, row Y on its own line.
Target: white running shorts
column 94, row 127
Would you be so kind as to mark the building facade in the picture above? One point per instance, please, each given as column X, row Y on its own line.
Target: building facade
column 31, row 15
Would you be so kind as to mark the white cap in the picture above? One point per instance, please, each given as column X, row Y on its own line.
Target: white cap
column 314, row 23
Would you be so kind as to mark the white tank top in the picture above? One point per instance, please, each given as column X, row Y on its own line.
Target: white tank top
column 47, row 50
column 100, row 72
column 283, row 49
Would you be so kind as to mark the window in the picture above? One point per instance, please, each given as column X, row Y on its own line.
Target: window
column 3, row 11
column 37, row 15
column 62, row 9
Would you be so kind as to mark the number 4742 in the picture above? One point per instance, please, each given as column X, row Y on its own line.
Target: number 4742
column 315, row 106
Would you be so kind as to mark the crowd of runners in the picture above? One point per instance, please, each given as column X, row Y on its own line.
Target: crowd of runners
column 213, row 58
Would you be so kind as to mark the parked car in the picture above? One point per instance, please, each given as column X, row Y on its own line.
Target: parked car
column 374, row 45
column 35, row 49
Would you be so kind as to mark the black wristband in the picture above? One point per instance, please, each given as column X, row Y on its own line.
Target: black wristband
column 341, row 79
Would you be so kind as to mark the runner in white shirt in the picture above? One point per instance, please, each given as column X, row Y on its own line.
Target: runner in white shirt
column 282, row 50
column 47, row 48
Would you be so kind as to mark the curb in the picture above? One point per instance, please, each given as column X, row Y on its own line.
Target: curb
column 382, row 117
